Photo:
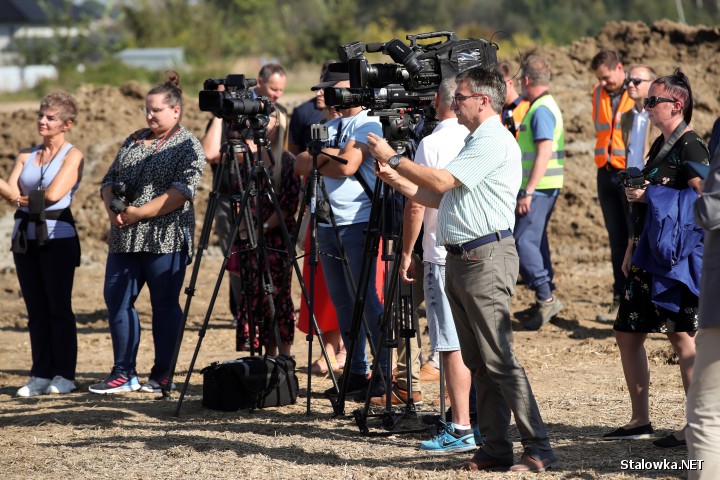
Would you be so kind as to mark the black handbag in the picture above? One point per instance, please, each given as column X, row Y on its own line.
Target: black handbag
column 250, row 383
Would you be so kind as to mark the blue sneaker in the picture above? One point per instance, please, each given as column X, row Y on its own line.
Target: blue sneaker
column 117, row 382
column 448, row 441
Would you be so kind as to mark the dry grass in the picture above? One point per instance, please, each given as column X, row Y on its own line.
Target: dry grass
column 572, row 363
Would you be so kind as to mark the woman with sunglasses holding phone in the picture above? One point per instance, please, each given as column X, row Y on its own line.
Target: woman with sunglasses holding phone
column 642, row 310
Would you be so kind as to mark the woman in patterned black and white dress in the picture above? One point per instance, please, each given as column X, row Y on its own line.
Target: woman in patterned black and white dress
column 148, row 193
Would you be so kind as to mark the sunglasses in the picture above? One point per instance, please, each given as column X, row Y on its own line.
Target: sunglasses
column 636, row 81
column 651, row 102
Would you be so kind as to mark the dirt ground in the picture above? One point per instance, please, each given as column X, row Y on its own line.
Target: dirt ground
column 573, row 363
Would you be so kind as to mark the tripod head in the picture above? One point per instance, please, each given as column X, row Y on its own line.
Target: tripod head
column 399, row 128
column 258, row 124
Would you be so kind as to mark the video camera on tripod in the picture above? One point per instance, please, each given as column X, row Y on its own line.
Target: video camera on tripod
column 237, row 104
column 415, row 77
column 401, row 93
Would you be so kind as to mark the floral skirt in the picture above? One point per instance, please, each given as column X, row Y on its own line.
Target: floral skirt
column 639, row 314
column 254, row 308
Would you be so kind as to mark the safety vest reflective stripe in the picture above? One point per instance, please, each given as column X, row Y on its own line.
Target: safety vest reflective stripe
column 616, row 151
column 553, row 177
column 549, row 172
column 531, row 155
column 609, row 145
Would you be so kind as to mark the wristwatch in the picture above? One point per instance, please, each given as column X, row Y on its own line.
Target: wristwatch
column 524, row 193
column 394, row 161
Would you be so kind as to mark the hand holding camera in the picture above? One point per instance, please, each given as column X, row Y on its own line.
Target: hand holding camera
column 123, row 195
column 635, row 183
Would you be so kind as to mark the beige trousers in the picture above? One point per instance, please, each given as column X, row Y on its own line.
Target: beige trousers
column 703, row 406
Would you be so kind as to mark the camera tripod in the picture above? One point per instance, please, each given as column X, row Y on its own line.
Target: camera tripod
column 312, row 198
column 386, row 222
column 258, row 183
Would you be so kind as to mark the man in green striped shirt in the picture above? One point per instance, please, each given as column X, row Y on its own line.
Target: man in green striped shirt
column 476, row 197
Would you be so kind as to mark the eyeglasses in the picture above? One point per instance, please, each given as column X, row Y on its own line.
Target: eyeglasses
column 457, row 98
column 152, row 112
column 651, row 102
column 637, row 81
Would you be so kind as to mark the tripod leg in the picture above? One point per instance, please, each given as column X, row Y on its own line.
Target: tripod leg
column 309, row 197
column 190, row 289
column 206, row 320
column 309, row 299
column 372, row 241
column 386, row 321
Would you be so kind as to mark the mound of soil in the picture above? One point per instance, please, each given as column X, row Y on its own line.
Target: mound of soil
column 572, row 363
column 108, row 115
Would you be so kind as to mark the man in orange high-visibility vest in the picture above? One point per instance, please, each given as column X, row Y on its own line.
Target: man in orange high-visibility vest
column 610, row 100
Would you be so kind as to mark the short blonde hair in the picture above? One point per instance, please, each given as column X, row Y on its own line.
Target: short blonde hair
column 63, row 102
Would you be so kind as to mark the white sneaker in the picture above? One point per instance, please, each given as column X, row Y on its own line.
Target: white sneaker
column 34, row 386
column 61, row 385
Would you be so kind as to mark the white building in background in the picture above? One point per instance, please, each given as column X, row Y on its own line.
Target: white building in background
column 16, row 78
column 22, row 20
column 153, row 58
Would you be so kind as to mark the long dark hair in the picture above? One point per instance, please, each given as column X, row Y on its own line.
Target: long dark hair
column 678, row 87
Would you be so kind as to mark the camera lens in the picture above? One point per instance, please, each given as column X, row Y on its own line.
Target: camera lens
column 118, row 205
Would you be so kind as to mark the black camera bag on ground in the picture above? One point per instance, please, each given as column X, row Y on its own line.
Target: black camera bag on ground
column 249, row 383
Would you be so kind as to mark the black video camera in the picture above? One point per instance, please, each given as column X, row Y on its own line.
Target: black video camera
column 123, row 195
column 236, row 101
column 415, row 77
column 633, row 177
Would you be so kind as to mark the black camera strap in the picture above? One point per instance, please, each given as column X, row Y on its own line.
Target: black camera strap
column 358, row 176
column 365, row 186
column 677, row 133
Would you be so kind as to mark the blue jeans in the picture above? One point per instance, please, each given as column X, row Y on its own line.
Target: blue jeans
column 532, row 245
column 46, row 277
column 125, row 276
column 341, row 291
column 613, row 204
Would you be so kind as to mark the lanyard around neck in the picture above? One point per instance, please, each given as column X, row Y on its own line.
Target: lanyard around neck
column 47, row 165
column 164, row 139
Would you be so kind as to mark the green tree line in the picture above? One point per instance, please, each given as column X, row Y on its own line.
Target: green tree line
column 303, row 31
column 310, row 30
